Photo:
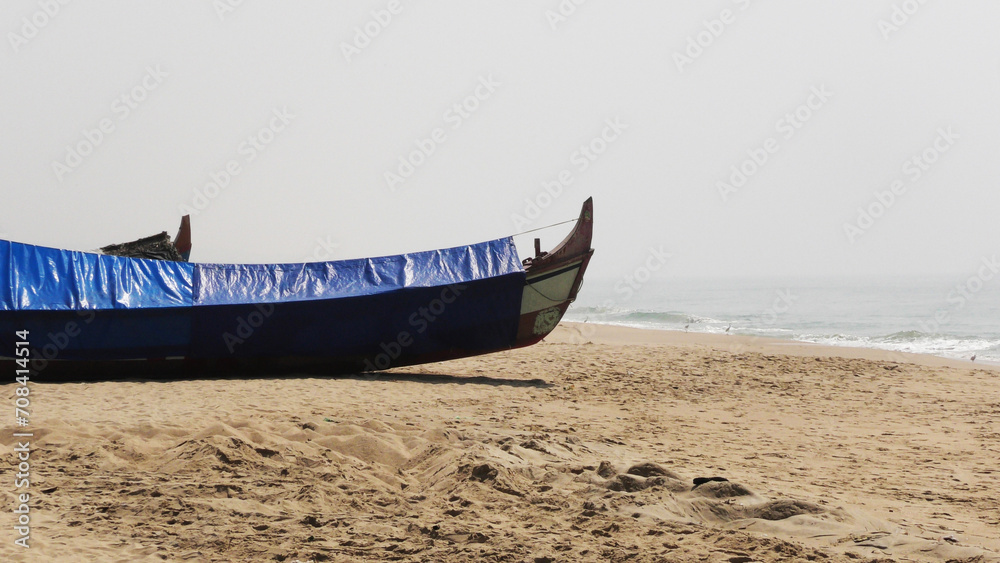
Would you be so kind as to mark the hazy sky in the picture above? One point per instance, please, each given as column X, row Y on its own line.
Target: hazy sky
column 648, row 106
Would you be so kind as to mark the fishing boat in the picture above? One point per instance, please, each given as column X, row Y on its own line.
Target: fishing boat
column 127, row 311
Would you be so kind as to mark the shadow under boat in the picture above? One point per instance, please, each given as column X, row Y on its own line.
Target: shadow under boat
column 175, row 375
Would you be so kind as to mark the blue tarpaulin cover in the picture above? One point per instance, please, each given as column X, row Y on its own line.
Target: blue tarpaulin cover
column 41, row 278
column 148, row 308
column 230, row 284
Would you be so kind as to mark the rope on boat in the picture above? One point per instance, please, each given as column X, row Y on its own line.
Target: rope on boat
column 533, row 288
column 546, row 227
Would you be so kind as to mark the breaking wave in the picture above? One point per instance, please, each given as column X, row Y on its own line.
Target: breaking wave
column 914, row 341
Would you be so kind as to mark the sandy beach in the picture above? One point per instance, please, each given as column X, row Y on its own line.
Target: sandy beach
column 585, row 447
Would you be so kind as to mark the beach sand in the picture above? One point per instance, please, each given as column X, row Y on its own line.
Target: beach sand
column 581, row 448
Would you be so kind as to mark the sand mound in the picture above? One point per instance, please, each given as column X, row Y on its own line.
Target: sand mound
column 782, row 509
column 649, row 469
column 723, row 490
column 342, row 484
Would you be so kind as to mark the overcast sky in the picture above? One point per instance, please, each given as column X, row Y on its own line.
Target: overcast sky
column 316, row 109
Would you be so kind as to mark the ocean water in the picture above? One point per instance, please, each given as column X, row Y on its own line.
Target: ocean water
column 950, row 316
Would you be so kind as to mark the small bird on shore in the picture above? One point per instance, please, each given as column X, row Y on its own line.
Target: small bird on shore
column 729, row 327
column 686, row 328
column 973, row 357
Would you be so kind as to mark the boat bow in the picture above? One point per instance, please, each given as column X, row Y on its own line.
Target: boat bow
column 553, row 280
